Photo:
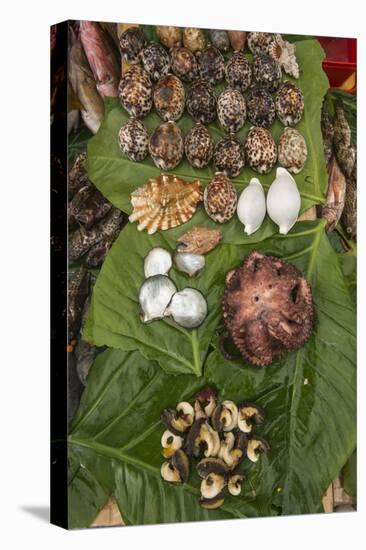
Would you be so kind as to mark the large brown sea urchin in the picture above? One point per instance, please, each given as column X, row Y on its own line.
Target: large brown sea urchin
column 268, row 308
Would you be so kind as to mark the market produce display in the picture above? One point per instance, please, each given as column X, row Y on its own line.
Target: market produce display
column 219, row 308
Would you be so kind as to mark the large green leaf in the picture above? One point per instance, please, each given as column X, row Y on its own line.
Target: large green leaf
column 309, row 397
column 114, row 448
column 116, row 177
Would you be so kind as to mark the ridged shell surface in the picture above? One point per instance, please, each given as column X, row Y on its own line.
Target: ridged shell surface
column 164, row 202
column 261, row 109
column 238, row 72
column 169, row 97
column 183, row 64
column 166, row 146
column 220, row 198
column 289, row 104
column 231, row 110
column 201, row 102
column 134, row 140
column 135, row 92
column 229, row 156
column 155, row 60
column 198, row 146
column 260, row 150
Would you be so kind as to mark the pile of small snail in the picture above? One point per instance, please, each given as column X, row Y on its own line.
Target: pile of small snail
column 219, row 436
column 203, row 67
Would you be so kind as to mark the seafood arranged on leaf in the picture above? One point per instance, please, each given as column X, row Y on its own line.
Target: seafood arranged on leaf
column 134, row 140
column 87, row 206
column 219, row 436
column 183, row 64
column 169, row 97
column 327, row 126
column 198, row 146
column 201, row 102
column 260, row 42
column 192, row 264
column 211, row 65
column 228, row 156
column 135, row 92
column 193, row 39
column 261, row 108
column 292, row 150
column 285, row 53
column 283, row 201
column 164, row 202
column 231, row 110
column 77, row 293
column 132, row 41
column 251, row 208
column 349, row 214
column 220, row 39
column 220, row 198
column 267, row 308
column 199, row 240
column 155, row 61
column 169, row 36
column 333, row 207
column 260, row 150
column 289, row 103
column 238, row 72
column 266, row 72
column 166, row 146
column 344, row 150
column 77, row 177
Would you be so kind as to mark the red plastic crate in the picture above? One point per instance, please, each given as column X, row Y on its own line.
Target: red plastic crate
column 341, row 59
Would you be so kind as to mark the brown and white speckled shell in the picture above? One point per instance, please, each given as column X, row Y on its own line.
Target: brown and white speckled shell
column 211, row 65
column 169, row 36
column 169, row 97
column 292, row 150
column 260, row 42
column 164, row 202
column 155, row 61
column 289, row 103
column 220, row 198
column 238, row 72
column 198, row 146
column 220, row 39
column 229, row 156
column 260, row 149
column 166, row 146
column 261, row 109
column 132, row 41
column 134, row 140
column 266, row 72
column 231, row 110
column 201, row 102
column 135, row 92
column 193, row 39
column 183, row 64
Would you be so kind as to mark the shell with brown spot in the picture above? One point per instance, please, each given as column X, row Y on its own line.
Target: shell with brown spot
column 199, row 240
column 267, row 308
column 220, row 198
column 164, row 202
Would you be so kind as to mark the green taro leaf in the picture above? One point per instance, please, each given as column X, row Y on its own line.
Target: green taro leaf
column 115, row 440
column 116, row 176
column 309, row 398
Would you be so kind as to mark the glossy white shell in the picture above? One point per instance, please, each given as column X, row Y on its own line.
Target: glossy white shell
column 157, row 262
column 188, row 308
column 283, row 201
column 251, row 207
column 154, row 296
column 189, row 263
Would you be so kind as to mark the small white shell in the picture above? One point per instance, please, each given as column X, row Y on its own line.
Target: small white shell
column 283, row 201
column 154, row 296
column 251, row 207
column 188, row 308
column 189, row 263
column 157, row 262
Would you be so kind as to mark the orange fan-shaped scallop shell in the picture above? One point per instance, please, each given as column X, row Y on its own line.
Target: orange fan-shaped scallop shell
column 164, row 202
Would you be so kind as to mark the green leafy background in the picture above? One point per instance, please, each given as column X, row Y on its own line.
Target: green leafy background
column 309, row 396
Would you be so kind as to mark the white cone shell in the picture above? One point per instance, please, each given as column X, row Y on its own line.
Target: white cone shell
column 251, row 208
column 283, row 201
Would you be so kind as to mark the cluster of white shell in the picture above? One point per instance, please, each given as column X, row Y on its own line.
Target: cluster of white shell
column 219, row 435
column 283, row 203
column 158, row 295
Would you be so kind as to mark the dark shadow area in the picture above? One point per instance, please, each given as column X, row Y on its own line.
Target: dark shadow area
column 40, row 512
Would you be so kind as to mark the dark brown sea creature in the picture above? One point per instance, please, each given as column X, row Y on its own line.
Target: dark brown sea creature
column 268, row 308
column 88, row 206
column 77, row 175
column 349, row 215
column 327, row 127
